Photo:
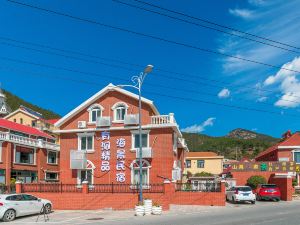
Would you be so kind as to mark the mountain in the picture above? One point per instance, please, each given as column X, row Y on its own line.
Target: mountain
column 238, row 143
column 14, row 102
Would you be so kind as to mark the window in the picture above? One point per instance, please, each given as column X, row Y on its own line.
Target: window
column 297, row 157
column 15, row 120
column 2, row 176
column 188, row 163
column 135, row 172
column 51, row 176
column 95, row 111
column 29, row 198
column 21, row 120
column 52, row 157
column 86, row 142
column 86, row 174
column 33, row 123
column 120, row 110
column 136, row 139
column 14, row 198
column 24, row 155
column 200, row 163
column 24, row 176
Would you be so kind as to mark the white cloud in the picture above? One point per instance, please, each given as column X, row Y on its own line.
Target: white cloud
column 256, row 2
column 243, row 13
column 262, row 99
column 289, row 85
column 197, row 128
column 224, row 93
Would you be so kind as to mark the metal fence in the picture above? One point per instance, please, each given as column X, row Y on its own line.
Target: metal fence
column 95, row 188
column 6, row 189
column 50, row 187
column 207, row 186
column 125, row 188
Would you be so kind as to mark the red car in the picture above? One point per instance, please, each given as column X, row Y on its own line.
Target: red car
column 268, row 192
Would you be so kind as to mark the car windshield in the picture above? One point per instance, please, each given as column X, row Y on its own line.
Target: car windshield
column 243, row 188
column 268, row 186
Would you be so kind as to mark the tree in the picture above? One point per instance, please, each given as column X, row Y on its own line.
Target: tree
column 254, row 181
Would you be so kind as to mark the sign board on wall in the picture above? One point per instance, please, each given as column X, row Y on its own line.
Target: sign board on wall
column 265, row 166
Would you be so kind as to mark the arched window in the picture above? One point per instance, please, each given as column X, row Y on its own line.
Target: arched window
column 135, row 172
column 86, row 174
column 95, row 111
column 120, row 110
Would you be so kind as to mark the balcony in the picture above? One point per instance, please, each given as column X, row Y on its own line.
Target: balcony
column 38, row 143
column 104, row 121
column 182, row 143
column 131, row 119
column 146, row 153
column 163, row 119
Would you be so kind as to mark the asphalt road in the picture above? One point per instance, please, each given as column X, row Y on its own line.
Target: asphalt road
column 262, row 213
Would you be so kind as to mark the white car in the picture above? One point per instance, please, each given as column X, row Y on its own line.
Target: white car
column 15, row 205
column 240, row 194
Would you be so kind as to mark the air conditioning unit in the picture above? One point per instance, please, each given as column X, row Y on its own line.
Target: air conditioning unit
column 81, row 124
column 131, row 119
column 104, row 121
column 176, row 174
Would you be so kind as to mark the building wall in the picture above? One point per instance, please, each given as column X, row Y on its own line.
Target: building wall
column 211, row 165
column 160, row 141
column 27, row 120
column 41, row 165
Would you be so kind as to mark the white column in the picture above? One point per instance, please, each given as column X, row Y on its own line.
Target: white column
column 1, row 142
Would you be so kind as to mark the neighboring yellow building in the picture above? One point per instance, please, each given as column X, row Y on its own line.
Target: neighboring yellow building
column 29, row 117
column 197, row 162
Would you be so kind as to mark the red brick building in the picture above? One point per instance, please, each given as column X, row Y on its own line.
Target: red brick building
column 104, row 128
column 27, row 154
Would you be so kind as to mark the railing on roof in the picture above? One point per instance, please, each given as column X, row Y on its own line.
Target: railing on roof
column 163, row 119
column 39, row 143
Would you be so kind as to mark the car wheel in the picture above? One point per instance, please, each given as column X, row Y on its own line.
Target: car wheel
column 252, row 202
column 233, row 201
column 47, row 208
column 9, row 215
column 258, row 198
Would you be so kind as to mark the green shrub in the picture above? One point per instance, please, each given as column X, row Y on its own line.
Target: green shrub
column 254, row 181
column 295, row 182
column 203, row 174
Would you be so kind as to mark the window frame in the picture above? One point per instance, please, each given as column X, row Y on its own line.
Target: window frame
column 86, row 135
column 56, row 157
column 133, row 133
column 200, row 167
column 90, row 167
column 51, row 179
column 186, row 164
column 94, row 108
column 21, row 163
column 117, row 106
column 293, row 154
column 132, row 169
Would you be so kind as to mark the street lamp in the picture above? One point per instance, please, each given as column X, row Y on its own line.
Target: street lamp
column 137, row 84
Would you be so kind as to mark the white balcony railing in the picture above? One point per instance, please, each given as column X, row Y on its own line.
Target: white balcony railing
column 103, row 121
column 182, row 143
column 146, row 153
column 39, row 143
column 163, row 119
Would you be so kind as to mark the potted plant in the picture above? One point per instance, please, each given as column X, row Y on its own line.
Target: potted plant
column 139, row 209
column 156, row 209
column 148, row 205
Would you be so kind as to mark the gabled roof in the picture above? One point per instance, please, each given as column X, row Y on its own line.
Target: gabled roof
column 293, row 140
column 99, row 94
column 31, row 111
column 23, row 129
column 52, row 121
column 23, row 111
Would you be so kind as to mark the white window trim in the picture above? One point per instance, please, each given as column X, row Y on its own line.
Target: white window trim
column 115, row 107
column 90, row 110
column 80, row 135
column 57, row 178
column 92, row 168
column 56, row 153
column 295, row 150
column 133, row 133
column 136, row 168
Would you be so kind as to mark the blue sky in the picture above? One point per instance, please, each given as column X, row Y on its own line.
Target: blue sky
column 209, row 77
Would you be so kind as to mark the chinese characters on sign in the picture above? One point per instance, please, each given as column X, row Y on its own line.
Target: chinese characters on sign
column 105, row 151
column 120, row 167
column 266, row 166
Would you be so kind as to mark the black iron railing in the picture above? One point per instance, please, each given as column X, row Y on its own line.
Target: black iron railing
column 6, row 189
column 50, row 187
column 207, row 186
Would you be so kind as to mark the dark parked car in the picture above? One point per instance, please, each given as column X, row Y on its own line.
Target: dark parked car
column 268, row 192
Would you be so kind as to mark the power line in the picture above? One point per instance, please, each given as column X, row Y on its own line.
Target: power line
column 153, row 37
column 201, row 25
column 217, row 24
column 186, row 99
column 114, row 77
